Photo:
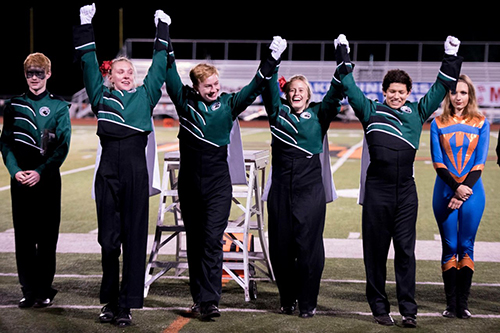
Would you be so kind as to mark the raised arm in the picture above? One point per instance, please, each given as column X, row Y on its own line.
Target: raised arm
column 344, row 79
column 246, row 96
column 157, row 73
column 84, row 44
column 271, row 96
column 173, row 82
column 446, row 79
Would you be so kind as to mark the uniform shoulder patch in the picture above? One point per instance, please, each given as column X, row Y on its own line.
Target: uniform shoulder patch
column 305, row 115
column 44, row 111
column 406, row 109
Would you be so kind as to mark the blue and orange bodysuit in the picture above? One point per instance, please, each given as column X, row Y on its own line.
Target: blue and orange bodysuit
column 459, row 150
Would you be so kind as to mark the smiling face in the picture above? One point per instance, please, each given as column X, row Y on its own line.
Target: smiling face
column 36, row 78
column 298, row 95
column 122, row 75
column 396, row 95
column 209, row 88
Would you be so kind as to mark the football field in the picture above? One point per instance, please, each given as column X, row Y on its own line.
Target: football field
column 342, row 306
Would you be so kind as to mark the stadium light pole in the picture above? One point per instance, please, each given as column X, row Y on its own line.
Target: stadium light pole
column 120, row 29
column 32, row 34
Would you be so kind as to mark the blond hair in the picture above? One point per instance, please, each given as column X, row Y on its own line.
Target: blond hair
column 110, row 85
column 122, row 58
column 300, row 77
column 201, row 72
column 470, row 111
column 37, row 60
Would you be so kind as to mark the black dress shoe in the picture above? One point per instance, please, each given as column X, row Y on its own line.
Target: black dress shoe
column 124, row 317
column 307, row 314
column 288, row 310
column 448, row 313
column 384, row 319
column 409, row 321
column 194, row 311
column 464, row 314
column 42, row 303
column 209, row 312
column 107, row 313
column 25, row 303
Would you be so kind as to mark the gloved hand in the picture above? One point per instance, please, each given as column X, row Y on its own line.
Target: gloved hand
column 161, row 16
column 87, row 13
column 342, row 40
column 278, row 45
column 451, row 45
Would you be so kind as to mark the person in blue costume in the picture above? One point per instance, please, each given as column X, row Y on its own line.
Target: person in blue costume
column 459, row 147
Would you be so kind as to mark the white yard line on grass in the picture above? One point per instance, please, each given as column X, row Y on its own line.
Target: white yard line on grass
column 68, row 172
column 98, row 276
column 330, row 312
column 346, row 156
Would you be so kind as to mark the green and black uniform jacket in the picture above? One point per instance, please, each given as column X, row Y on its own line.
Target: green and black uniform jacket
column 36, row 133
column 121, row 113
column 389, row 127
column 202, row 123
column 304, row 131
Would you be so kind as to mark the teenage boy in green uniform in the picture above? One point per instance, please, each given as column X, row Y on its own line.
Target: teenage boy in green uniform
column 390, row 203
column 206, row 118
column 35, row 142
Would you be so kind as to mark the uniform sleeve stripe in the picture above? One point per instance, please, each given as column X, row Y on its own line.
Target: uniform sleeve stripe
column 84, row 46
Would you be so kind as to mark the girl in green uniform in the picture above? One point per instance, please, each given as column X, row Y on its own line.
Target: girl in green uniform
column 296, row 200
column 121, row 184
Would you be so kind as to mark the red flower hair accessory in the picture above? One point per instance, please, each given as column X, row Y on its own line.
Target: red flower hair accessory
column 282, row 83
column 105, row 68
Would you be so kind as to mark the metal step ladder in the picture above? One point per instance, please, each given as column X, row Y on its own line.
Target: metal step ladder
column 249, row 220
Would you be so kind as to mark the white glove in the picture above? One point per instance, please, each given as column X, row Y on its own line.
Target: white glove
column 87, row 13
column 451, row 45
column 161, row 16
column 278, row 45
column 342, row 40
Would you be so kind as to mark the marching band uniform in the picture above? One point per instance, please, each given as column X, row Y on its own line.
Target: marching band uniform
column 296, row 200
column 205, row 189
column 121, row 183
column 390, row 200
column 36, row 136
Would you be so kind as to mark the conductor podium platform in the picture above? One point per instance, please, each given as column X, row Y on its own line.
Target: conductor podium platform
column 246, row 221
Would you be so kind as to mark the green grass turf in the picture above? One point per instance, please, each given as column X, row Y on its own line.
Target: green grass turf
column 76, row 306
column 338, row 302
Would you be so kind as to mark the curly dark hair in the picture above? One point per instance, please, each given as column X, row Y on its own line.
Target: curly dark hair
column 396, row 76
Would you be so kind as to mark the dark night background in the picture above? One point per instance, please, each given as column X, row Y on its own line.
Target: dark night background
column 311, row 20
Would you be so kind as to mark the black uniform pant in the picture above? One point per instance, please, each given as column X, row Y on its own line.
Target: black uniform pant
column 205, row 194
column 390, row 212
column 36, row 213
column 296, row 208
column 122, row 199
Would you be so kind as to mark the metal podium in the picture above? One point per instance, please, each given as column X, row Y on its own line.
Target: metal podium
column 247, row 200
